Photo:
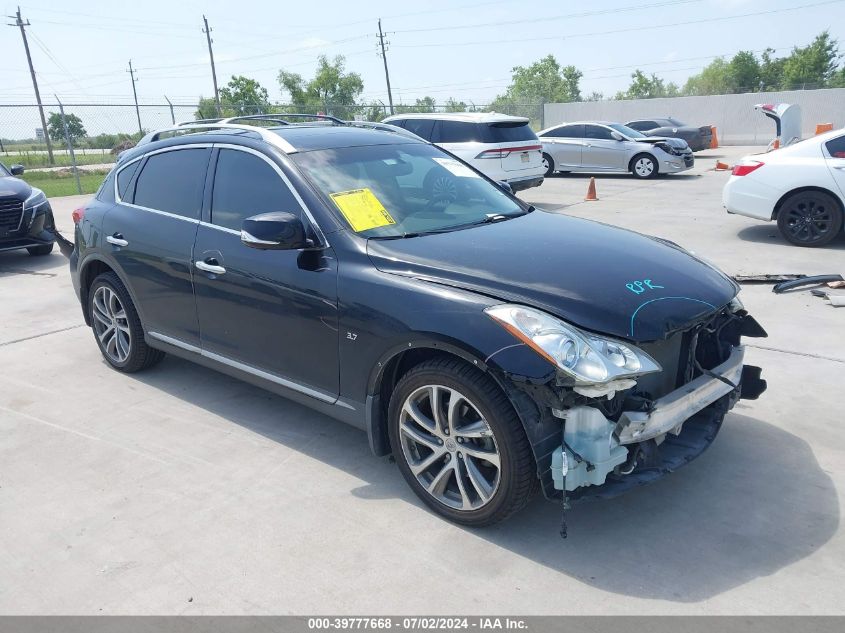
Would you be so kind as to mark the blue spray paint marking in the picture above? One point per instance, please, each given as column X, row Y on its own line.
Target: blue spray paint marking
column 642, row 305
column 639, row 287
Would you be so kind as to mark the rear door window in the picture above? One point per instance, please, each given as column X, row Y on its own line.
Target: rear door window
column 455, row 132
column 173, row 182
column 643, row 125
column 836, row 147
column 420, row 127
column 597, row 132
column 567, row 131
column 246, row 185
column 507, row 132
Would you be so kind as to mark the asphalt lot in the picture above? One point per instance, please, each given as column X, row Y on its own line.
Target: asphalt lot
column 183, row 491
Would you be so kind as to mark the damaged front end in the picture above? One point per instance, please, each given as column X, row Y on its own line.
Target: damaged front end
column 601, row 439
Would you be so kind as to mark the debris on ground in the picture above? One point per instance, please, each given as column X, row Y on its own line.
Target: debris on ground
column 806, row 281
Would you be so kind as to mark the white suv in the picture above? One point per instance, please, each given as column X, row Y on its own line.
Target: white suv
column 502, row 147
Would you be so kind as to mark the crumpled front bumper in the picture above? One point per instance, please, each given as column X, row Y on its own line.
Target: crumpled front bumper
column 669, row 413
column 599, row 457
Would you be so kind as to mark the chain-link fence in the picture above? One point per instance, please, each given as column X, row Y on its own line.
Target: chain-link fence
column 99, row 128
column 85, row 139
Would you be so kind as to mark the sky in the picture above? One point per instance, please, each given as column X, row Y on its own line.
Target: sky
column 460, row 48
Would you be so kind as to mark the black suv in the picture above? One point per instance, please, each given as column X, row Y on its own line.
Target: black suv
column 490, row 347
column 26, row 219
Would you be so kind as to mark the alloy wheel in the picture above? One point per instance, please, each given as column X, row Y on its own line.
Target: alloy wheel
column 644, row 167
column 444, row 188
column 808, row 220
column 449, row 447
column 111, row 324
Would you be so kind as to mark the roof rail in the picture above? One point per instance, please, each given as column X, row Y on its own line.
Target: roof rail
column 265, row 134
column 385, row 127
column 282, row 117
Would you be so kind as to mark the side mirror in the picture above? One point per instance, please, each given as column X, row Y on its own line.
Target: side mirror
column 274, row 231
column 505, row 187
column 617, row 136
column 16, row 170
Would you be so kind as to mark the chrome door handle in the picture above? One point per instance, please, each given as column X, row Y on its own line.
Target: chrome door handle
column 117, row 240
column 210, row 266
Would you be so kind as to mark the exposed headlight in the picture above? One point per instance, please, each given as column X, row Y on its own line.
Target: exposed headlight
column 586, row 357
column 668, row 149
column 736, row 304
column 36, row 199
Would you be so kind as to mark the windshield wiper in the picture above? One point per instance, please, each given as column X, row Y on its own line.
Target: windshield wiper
column 490, row 218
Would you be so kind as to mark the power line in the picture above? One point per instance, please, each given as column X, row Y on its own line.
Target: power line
column 568, row 16
column 623, row 30
column 21, row 25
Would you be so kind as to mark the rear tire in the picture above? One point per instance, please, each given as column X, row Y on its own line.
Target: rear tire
column 549, row 164
column 117, row 327
column 470, row 462
column 643, row 166
column 810, row 218
column 39, row 251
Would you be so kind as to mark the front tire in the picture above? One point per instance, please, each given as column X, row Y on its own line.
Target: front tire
column 459, row 443
column 117, row 327
column 644, row 166
column 549, row 165
column 810, row 218
column 39, row 251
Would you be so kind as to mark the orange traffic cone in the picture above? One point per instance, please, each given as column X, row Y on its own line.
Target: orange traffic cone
column 591, row 191
column 714, row 140
column 720, row 166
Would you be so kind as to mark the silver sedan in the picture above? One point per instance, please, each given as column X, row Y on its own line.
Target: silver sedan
column 598, row 147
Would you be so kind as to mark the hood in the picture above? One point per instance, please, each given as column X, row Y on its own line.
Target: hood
column 601, row 278
column 677, row 143
column 11, row 187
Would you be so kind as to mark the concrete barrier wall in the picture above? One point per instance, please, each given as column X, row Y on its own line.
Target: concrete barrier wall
column 734, row 115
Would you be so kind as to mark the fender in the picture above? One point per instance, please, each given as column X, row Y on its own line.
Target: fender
column 100, row 256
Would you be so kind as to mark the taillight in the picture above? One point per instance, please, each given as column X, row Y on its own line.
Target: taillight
column 504, row 152
column 78, row 214
column 745, row 168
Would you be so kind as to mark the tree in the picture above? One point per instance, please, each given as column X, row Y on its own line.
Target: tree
column 544, row 81
column 594, row 96
column 771, row 70
column 453, row 105
column 743, row 72
column 814, row 65
column 644, row 87
column 244, row 96
column 206, row 109
column 331, row 90
column 714, row 79
column 56, row 129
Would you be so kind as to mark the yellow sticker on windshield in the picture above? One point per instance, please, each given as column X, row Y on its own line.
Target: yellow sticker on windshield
column 362, row 209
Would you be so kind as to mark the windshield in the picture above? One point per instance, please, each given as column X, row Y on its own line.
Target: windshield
column 627, row 131
column 387, row 191
column 3, row 171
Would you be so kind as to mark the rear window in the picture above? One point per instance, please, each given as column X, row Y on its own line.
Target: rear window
column 506, row 132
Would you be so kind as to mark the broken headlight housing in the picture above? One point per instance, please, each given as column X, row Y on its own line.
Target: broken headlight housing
column 588, row 358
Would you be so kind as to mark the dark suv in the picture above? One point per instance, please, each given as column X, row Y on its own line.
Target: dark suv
column 490, row 347
column 26, row 219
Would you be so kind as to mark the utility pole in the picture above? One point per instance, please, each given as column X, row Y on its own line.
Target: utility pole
column 384, row 59
column 207, row 32
column 131, row 72
column 21, row 24
column 69, row 145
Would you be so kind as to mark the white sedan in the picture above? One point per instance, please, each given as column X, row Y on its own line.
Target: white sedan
column 802, row 187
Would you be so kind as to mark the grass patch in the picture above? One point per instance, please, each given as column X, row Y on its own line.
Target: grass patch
column 35, row 161
column 62, row 183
